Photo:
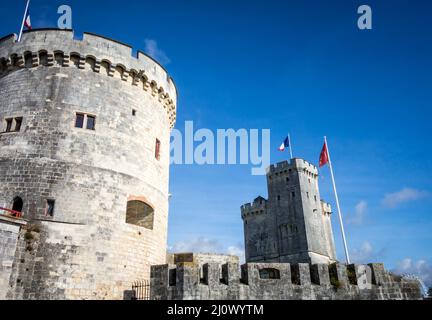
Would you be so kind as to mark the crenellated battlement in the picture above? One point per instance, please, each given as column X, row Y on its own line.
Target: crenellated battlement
column 278, row 281
column 60, row 48
column 259, row 206
column 285, row 168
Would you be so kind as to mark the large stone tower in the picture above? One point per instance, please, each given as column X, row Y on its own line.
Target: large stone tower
column 84, row 155
column 293, row 225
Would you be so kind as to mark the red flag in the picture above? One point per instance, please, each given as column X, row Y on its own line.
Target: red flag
column 324, row 158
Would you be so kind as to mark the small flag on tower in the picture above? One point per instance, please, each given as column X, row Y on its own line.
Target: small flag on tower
column 324, row 157
column 27, row 22
column 285, row 144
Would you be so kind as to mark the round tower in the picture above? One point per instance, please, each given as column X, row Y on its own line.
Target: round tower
column 84, row 155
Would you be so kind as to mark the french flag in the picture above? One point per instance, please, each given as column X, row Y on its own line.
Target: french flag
column 27, row 21
column 285, row 144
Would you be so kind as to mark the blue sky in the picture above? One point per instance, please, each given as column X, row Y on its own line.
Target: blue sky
column 297, row 66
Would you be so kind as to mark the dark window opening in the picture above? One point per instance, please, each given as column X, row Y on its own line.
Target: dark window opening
column 50, row 205
column 134, row 112
column 18, row 204
column 18, row 124
column 28, row 60
column 8, row 125
column 279, row 198
column 79, row 121
column 43, row 58
column 140, row 214
column 293, row 194
column 269, row 273
column 172, row 277
column 91, row 122
column 157, row 149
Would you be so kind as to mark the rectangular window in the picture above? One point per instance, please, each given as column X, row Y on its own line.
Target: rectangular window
column 50, row 205
column 8, row 125
column 134, row 112
column 18, row 123
column 91, row 122
column 157, row 149
column 293, row 194
column 79, row 121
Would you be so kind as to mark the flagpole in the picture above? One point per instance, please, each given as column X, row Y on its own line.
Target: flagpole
column 23, row 22
column 290, row 148
column 338, row 205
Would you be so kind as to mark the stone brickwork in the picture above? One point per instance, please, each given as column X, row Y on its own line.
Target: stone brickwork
column 293, row 225
column 10, row 229
column 196, row 279
column 85, row 250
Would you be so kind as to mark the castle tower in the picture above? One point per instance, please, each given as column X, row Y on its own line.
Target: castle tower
column 84, row 155
column 293, row 225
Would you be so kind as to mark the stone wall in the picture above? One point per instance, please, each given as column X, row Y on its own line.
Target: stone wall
column 86, row 250
column 10, row 229
column 279, row 281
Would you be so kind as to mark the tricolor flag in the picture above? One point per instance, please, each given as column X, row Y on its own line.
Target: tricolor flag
column 324, row 157
column 285, row 144
column 27, row 21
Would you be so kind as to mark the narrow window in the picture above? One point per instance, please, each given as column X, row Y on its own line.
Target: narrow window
column 157, row 149
column 79, row 121
column 18, row 123
column 9, row 125
column 134, row 112
column 91, row 122
column 18, row 204
column 50, row 204
column 293, row 194
column 315, row 198
column 269, row 274
column 278, row 197
column 307, row 193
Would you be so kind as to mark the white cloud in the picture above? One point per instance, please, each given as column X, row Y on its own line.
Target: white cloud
column 392, row 200
column 360, row 212
column 363, row 254
column 367, row 254
column 237, row 251
column 153, row 50
column 197, row 245
column 419, row 268
column 204, row 245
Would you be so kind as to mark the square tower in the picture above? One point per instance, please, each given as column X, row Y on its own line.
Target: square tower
column 293, row 225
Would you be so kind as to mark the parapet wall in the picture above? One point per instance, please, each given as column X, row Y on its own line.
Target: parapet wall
column 300, row 165
column 93, row 53
column 279, row 281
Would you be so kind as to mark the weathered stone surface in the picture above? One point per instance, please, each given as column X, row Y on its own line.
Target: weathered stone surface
column 275, row 281
column 86, row 250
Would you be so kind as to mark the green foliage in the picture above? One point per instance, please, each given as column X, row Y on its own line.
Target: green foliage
column 335, row 282
column 396, row 277
column 29, row 236
column 351, row 276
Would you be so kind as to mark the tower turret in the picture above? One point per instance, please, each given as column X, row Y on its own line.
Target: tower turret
column 296, row 226
column 84, row 155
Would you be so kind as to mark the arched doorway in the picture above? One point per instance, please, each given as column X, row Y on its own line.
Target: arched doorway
column 18, row 204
